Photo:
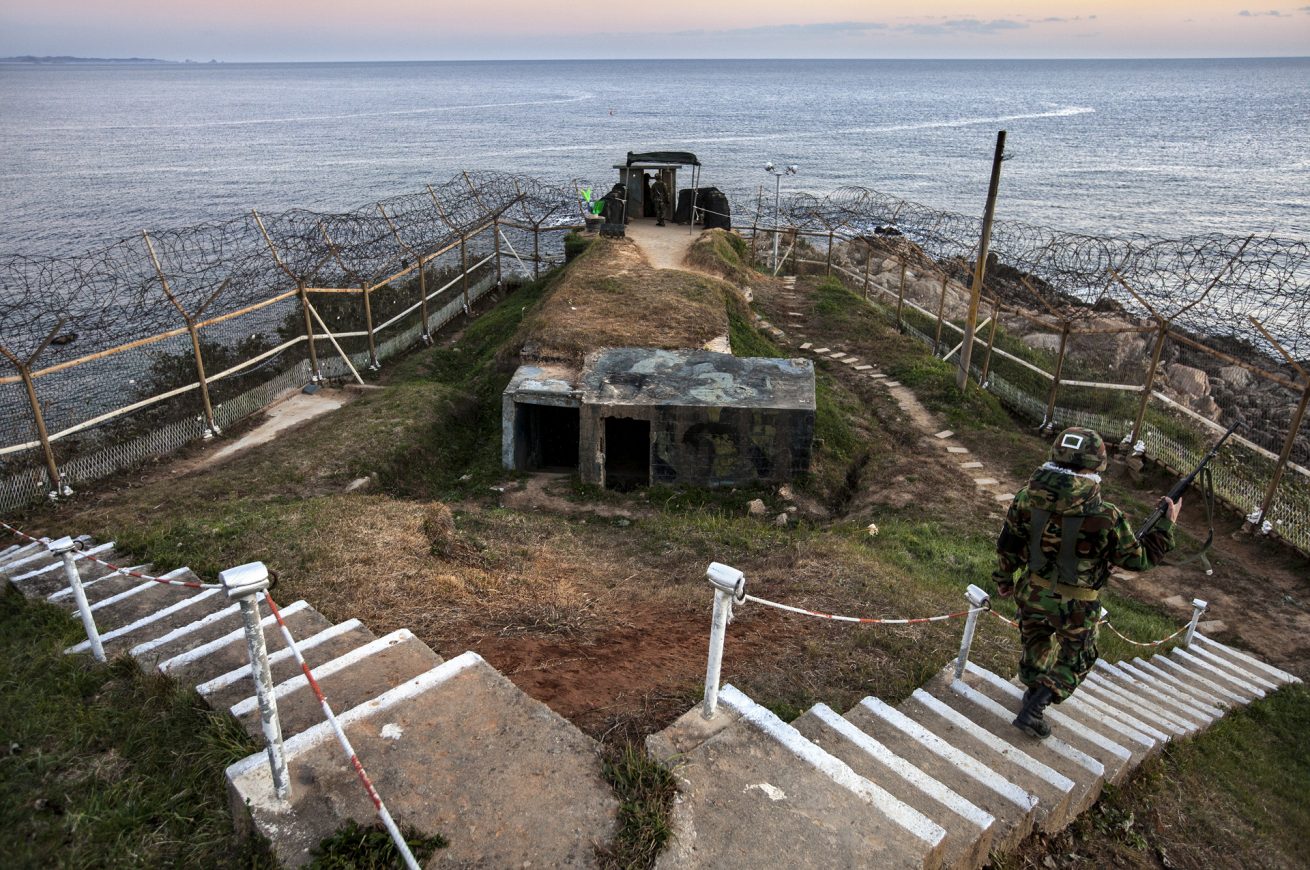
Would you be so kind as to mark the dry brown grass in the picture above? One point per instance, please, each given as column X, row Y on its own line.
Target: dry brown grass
column 718, row 252
column 612, row 297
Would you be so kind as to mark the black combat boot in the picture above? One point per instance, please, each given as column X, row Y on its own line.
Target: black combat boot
column 1030, row 719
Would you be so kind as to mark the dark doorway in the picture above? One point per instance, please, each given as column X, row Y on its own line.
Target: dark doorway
column 550, row 436
column 627, row 453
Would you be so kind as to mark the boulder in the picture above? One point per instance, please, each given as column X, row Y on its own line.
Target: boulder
column 781, row 519
column 1235, row 376
column 756, row 507
column 1207, row 407
column 1047, row 341
column 1189, row 381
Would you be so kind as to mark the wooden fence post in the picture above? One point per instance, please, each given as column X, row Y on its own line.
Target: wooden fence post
column 828, row 266
column 1055, row 381
column 495, row 229
column 941, row 310
column 464, row 269
column 991, row 342
column 211, row 426
column 38, row 418
column 1294, row 427
column 900, row 300
column 309, row 331
column 868, row 264
column 1150, row 382
column 374, row 363
column 536, row 251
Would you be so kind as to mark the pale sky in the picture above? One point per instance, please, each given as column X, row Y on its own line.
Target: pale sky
column 298, row 30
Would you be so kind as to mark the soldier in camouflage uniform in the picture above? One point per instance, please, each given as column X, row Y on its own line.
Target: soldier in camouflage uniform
column 1063, row 540
column 659, row 197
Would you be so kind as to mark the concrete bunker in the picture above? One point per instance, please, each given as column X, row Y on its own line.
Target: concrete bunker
column 647, row 416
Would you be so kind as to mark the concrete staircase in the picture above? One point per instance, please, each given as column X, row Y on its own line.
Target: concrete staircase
column 453, row 747
column 943, row 779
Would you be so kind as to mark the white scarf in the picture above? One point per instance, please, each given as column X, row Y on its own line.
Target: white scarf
column 1086, row 475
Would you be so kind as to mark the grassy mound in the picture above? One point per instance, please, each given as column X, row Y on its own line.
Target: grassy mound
column 610, row 296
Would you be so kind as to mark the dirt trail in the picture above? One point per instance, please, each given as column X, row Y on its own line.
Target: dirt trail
column 665, row 246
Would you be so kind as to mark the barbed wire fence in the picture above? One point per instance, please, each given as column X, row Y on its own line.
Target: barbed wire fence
column 1158, row 342
column 136, row 348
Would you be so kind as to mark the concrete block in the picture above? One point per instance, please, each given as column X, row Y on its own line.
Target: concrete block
column 226, row 689
column 892, row 383
column 102, row 587
column 1086, row 773
column 39, row 578
column 1194, row 680
column 1115, row 758
column 759, row 790
column 1227, row 666
column 1054, row 790
column 944, row 434
column 971, row 465
column 1137, row 706
column 141, row 600
column 1180, row 706
column 1012, row 806
column 1245, row 660
column 458, row 751
column 1152, row 668
column 161, row 622
column 985, row 481
column 958, row 451
column 968, row 828
column 348, row 680
column 1248, row 690
column 203, row 661
column 686, row 733
column 1140, row 732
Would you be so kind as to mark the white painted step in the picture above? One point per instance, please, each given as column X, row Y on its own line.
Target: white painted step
column 759, row 789
column 969, row 829
column 1245, row 660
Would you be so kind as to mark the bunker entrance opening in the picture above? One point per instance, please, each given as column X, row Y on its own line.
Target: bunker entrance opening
column 627, row 453
column 550, row 436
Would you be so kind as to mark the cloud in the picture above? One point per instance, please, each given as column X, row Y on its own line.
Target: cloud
column 930, row 27
column 1272, row 13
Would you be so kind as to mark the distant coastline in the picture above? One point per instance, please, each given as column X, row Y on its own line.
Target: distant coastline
column 69, row 59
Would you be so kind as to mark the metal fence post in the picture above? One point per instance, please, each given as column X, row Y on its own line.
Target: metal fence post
column 64, row 548
column 976, row 598
column 729, row 585
column 1198, row 607
column 243, row 585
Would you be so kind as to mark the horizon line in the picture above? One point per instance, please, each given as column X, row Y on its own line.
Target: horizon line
column 20, row 59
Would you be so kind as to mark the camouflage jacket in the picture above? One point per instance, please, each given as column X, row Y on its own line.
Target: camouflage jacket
column 1104, row 538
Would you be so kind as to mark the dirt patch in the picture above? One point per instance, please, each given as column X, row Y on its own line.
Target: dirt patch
column 550, row 492
column 612, row 296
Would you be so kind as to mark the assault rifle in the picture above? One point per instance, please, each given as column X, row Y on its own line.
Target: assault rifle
column 1181, row 486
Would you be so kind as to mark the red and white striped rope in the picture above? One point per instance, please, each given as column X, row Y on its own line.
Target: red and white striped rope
column 126, row 572
column 863, row 620
column 401, row 846
column 1110, row 626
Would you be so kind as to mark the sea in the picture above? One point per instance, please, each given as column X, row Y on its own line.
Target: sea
column 92, row 153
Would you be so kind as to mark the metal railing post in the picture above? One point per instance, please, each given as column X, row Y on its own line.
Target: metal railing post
column 1198, row 607
column 64, row 548
column 243, row 585
column 976, row 598
column 729, row 585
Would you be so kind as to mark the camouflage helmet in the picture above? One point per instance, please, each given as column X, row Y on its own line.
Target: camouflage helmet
column 1080, row 448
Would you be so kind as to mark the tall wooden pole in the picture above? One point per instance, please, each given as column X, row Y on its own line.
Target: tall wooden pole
column 941, row 313
column 495, row 229
column 309, row 331
column 56, row 483
column 536, row 251
column 868, row 263
column 464, row 268
column 980, row 267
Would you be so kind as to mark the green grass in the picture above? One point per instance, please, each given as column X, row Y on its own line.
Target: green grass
column 645, row 790
column 369, row 847
column 104, row 766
